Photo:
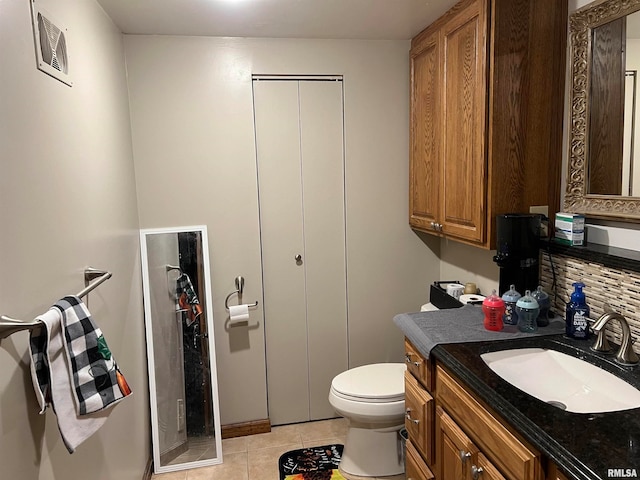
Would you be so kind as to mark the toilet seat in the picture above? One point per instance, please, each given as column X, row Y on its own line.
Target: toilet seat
column 376, row 383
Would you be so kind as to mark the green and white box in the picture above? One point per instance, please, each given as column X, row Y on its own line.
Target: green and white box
column 569, row 228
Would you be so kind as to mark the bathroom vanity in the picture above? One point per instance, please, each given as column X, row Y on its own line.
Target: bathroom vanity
column 466, row 422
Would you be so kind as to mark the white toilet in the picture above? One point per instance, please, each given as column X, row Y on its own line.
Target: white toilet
column 371, row 397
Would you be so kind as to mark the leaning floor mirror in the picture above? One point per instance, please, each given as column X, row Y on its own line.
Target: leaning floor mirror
column 185, row 419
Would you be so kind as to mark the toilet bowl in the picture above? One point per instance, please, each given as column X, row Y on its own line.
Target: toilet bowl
column 371, row 397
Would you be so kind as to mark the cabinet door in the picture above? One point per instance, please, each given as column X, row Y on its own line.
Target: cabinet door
column 419, row 421
column 464, row 98
column 424, row 165
column 420, row 367
column 455, row 452
column 485, row 470
column 415, row 468
column 515, row 458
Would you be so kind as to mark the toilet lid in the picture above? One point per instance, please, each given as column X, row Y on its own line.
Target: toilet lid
column 382, row 382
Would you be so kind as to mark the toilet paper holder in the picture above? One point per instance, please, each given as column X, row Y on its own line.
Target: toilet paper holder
column 238, row 291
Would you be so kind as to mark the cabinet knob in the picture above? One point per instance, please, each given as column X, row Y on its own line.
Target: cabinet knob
column 407, row 414
column 298, row 259
column 407, row 358
column 476, row 472
column 464, row 456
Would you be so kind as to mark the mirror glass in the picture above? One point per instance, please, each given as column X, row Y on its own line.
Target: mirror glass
column 180, row 348
column 614, row 151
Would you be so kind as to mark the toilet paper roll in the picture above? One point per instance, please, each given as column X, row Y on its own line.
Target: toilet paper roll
column 238, row 314
column 468, row 298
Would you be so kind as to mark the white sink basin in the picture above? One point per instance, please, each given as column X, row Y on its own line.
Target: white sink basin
column 562, row 380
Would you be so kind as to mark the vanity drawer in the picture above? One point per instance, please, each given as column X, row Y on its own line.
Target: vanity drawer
column 500, row 445
column 419, row 366
column 419, row 418
column 416, row 469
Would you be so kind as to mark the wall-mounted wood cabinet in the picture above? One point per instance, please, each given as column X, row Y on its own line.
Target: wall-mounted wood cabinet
column 487, row 100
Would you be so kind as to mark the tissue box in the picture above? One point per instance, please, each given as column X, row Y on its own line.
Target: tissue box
column 569, row 228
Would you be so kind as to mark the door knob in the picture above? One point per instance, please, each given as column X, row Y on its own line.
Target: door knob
column 298, row 259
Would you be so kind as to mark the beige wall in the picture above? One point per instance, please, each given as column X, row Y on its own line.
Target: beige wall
column 469, row 264
column 192, row 123
column 67, row 200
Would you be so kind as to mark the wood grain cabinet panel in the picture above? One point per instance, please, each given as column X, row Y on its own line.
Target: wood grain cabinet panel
column 419, row 418
column 416, row 469
column 485, row 470
column 455, row 452
column 507, row 452
column 424, row 134
column 487, row 83
column 464, row 94
column 420, row 367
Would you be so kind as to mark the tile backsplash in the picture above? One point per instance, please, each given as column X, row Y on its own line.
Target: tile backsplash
column 618, row 287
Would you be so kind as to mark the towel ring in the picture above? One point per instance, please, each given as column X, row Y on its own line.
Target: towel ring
column 238, row 291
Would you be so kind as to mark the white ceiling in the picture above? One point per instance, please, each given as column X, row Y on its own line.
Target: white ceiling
column 355, row 19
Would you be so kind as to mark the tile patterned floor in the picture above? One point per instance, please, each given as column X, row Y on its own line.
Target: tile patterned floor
column 256, row 457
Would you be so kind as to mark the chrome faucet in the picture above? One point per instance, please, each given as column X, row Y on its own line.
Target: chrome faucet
column 626, row 355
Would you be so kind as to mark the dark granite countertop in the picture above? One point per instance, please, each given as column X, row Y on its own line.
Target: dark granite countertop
column 583, row 446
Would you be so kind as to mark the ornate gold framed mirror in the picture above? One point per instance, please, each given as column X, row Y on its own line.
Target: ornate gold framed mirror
column 604, row 158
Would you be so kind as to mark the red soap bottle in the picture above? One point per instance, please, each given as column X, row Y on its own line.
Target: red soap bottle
column 493, row 308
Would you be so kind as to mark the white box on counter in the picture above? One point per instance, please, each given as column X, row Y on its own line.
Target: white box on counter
column 569, row 228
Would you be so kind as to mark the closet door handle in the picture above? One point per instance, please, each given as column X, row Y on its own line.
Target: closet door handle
column 298, row 259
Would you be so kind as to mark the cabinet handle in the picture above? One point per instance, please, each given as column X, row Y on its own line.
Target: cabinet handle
column 476, row 472
column 464, row 456
column 407, row 358
column 407, row 414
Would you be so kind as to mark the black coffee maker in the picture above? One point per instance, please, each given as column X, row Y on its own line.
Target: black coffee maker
column 518, row 251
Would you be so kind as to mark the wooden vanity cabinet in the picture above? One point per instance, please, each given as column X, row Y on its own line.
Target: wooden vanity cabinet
column 498, row 444
column 454, row 437
column 419, row 411
column 487, row 99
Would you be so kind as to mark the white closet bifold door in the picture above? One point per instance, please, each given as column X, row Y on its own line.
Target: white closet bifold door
column 299, row 141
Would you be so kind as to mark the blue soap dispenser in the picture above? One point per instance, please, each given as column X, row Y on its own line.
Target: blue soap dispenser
column 578, row 311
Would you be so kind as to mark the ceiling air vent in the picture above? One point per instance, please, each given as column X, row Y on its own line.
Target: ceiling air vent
column 51, row 44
